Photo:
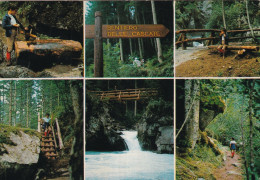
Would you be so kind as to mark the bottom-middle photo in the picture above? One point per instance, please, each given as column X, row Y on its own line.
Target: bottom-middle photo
column 129, row 129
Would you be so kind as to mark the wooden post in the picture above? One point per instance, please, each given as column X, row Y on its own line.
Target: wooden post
column 39, row 122
column 183, row 43
column 98, row 46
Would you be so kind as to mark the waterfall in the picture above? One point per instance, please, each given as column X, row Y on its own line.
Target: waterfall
column 131, row 140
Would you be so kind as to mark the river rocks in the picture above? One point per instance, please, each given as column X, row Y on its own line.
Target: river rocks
column 19, row 158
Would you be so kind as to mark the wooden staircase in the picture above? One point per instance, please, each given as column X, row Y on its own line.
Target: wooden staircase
column 49, row 145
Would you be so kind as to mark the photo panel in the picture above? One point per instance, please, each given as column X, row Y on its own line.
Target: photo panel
column 217, row 128
column 41, row 39
column 129, row 39
column 129, row 129
column 41, row 129
column 217, row 38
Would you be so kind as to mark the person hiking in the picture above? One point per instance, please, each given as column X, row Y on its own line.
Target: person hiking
column 11, row 26
column 223, row 41
column 46, row 124
column 232, row 146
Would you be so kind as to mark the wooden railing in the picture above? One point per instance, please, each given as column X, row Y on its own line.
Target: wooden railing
column 126, row 95
column 182, row 39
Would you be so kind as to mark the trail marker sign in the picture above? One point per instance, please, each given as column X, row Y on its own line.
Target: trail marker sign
column 99, row 31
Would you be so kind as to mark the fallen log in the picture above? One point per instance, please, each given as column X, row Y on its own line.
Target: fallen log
column 49, row 48
column 255, row 48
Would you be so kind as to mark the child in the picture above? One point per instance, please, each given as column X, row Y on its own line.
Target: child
column 232, row 147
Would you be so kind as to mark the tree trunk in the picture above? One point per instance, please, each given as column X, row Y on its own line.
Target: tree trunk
column 243, row 139
column 223, row 14
column 108, row 42
column 139, row 40
column 158, row 41
column 135, row 101
column 27, row 106
column 15, row 103
column 10, row 103
column 250, row 106
column 76, row 159
column 120, row 39
column 248, row 20
column 51, row 48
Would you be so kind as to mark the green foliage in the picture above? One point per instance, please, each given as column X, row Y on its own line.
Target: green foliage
column 5, row 131
column 200, row 163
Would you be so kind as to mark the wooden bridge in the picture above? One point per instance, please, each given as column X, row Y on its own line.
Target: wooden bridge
column 51, row 143
column 126, row 95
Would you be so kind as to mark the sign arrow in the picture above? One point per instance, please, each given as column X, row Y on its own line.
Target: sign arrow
column 128, row 31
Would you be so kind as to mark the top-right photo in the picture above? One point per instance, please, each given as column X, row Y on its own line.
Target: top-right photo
column 217, row 38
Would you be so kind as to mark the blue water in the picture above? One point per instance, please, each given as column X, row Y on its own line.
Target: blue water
column 134, row 164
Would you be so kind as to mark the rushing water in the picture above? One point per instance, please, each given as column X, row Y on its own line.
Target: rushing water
column 134, row 164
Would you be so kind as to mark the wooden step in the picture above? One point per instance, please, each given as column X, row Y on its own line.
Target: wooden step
column 48, row 140
column 47, row 150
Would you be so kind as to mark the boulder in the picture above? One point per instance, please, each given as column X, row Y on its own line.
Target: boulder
column 165, row 140
column 205, row 118
column 16, row 72
column 19, row 158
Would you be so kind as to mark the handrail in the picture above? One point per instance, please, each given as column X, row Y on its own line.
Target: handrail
column 59, row 134
column 53, row 133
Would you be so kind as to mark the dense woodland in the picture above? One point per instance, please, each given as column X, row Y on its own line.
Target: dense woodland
column 217, row 14
column 120, row 53
column 232, row 15
column 235, row 108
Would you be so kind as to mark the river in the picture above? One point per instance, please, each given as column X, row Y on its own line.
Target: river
column 134, row 164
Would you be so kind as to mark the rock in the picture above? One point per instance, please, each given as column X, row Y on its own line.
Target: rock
column 165, row 140
column 19, row 159
column 205, row 118
column 16, row 72
column 100, row 133
column 233, row 173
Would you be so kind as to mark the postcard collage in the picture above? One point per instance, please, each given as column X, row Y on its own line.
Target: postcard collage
column 130, row 90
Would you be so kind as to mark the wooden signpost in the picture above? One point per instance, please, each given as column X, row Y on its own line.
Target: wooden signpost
column 99, row 31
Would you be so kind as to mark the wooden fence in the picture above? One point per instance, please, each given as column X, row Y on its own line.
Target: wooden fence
column 182, row 39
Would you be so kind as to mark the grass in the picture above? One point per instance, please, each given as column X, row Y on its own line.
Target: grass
column 5, row 131
column 200, row 163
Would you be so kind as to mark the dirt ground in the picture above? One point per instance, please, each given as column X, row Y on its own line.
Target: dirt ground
column 75, row 69
column 204, row 63
column 231, row 169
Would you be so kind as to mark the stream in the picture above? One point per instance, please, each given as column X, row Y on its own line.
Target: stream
column 126, row 165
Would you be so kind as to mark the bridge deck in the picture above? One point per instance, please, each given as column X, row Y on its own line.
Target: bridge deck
column 126, row 95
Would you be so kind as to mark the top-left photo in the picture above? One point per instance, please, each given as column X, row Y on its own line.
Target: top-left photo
column 41, row 39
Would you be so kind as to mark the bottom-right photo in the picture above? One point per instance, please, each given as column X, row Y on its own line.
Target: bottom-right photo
column 217, row 129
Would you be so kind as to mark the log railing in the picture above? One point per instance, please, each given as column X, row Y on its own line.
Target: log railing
column 182, row 39
column 59, row 134
column 126, row 95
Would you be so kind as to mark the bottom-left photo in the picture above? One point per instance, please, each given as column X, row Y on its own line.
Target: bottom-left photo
column 41, row 129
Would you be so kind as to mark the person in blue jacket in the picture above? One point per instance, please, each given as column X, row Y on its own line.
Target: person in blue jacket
column 11, row 26
column 232, row 146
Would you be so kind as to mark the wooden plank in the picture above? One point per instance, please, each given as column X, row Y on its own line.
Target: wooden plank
column 128, row 31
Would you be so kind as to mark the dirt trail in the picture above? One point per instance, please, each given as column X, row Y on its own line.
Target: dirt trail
column 204, row 63
column 232, row 169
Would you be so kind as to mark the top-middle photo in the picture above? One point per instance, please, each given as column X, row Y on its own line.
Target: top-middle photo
column 129, row 39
